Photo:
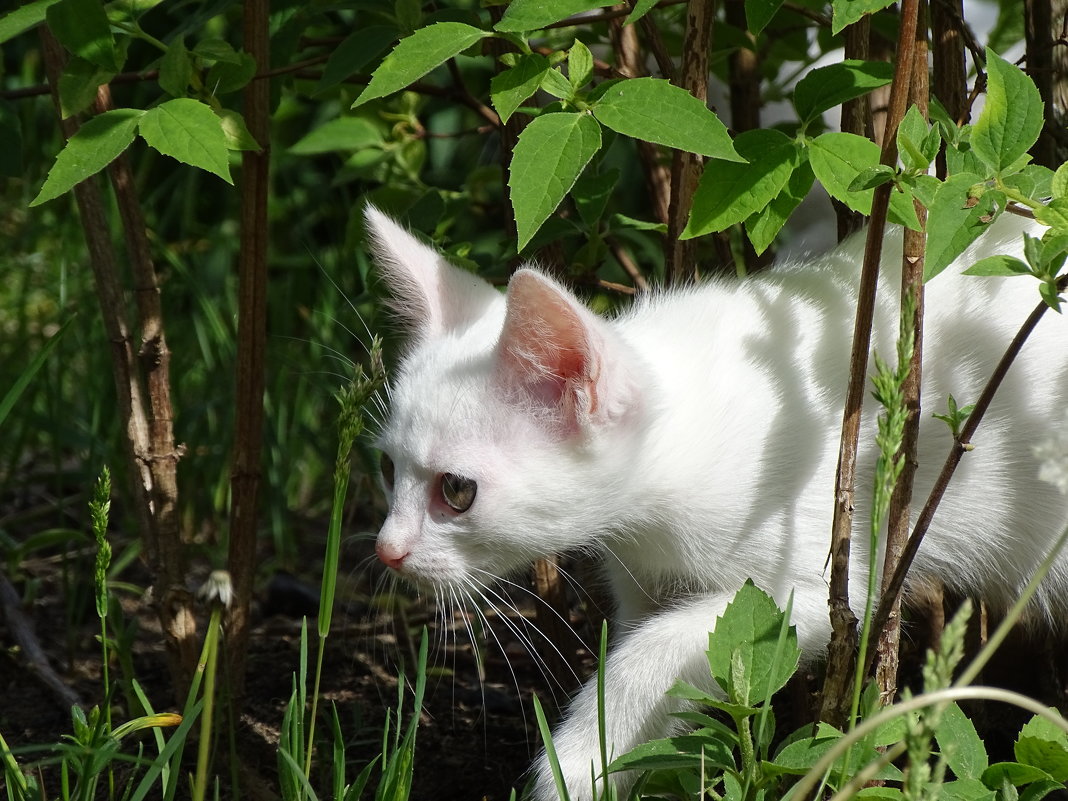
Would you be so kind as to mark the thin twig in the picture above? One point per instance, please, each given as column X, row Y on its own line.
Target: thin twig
column 154, row 356
column 628, row 264
column 660, row 52
column 246, row 466
column 842, row 648
column 897, row 529
column 686, row 167
column 130, row 394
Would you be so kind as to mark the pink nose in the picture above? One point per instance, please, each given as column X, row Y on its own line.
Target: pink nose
column 391, row 555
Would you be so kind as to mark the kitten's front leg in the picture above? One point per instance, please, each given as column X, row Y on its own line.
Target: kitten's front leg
column 669, row 646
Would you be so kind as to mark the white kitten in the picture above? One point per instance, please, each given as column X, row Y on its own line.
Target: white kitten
column 692, row 443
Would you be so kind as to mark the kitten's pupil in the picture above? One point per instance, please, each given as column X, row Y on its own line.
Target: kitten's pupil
column 458, row 492
column 386, row 465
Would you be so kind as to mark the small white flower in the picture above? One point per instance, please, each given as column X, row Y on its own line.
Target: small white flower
column 1053, row 453
column 217, row 589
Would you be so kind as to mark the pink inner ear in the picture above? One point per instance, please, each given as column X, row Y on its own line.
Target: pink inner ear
column 547, row 348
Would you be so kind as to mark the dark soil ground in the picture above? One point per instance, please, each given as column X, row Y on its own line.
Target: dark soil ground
column 477, row 735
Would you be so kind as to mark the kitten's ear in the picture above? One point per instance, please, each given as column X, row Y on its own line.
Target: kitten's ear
column 430, row 296
column 561, row 355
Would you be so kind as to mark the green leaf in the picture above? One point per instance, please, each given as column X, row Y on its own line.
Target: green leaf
column 826, row 87
column 962, row 158
column 743, row 646
column 1052, row 252
column 216, row 50
column 764, row 225
column 237, row 134
column 550, row 155
column 591, row 194
column 418, row 54
column 758, row 13
column 78, row 85
column 960, row 744
column 838, row 159
column 176, row 69
column 623, row 222
column 1011, row 119
column 189, row 131
column 554, row 82
column 1034, row 182
column 356, row 50
column 871, row 177
column 532, row 15
column 917, row 142
column 903, row 209
column 1050, row 295
column 1012, row 772
column 955, row 220
column 1043, row 745
column 82, row 27
column 879, row 793
column 799, row 756
column 579, row 65
column 730, row 192
column 510, row 88
column 641, row 8
column 657, row 111
column 998, row 265
column 96, row 144
column 846, row 12
column 226, row 76
column 1054, row 214
column 1036, row 791
column 1059, row 185
column 23, row 18
column 675, row 753
column 344, row 133
column 967, row 790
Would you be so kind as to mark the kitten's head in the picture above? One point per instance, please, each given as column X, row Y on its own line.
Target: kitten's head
column 511, row 417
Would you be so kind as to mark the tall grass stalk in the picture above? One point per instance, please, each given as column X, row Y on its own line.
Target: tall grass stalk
column 352, row 398
column 209, row 660
column 889, row 391
column 99, row 510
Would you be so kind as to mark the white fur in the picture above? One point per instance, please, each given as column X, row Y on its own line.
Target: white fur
column 692, row 442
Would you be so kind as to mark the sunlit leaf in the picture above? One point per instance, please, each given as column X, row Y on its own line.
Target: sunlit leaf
column 550, row 155
column 1011, row 119
column 96, row 144
column 658, row 111
column 418, row 54
column 189, row 131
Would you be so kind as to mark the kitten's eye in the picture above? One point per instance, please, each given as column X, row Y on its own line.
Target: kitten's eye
column 387, row 471
column 458, row 492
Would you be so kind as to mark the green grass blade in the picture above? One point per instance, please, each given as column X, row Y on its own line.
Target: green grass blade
column 174, row 745
column 550, row 751
column 12, row 395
